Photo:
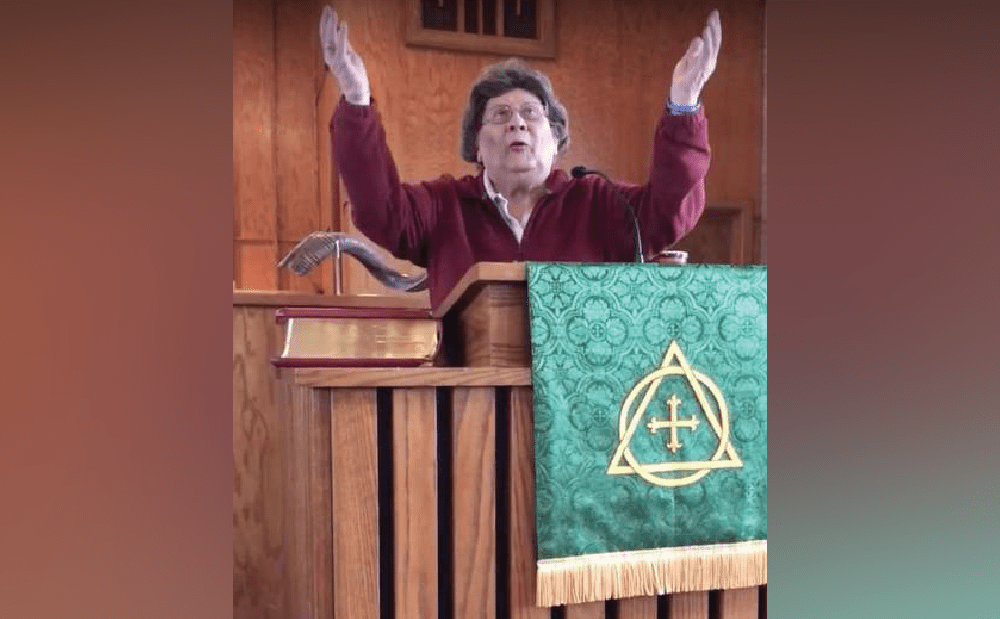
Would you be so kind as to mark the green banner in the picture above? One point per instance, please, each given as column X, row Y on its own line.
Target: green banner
column 650, row 412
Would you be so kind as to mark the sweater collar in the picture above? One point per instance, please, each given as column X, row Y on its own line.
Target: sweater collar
column 476, row 186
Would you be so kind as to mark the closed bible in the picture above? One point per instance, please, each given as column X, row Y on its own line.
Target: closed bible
column 354, row 337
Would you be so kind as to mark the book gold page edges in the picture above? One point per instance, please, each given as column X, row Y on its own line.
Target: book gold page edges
column 353, row 337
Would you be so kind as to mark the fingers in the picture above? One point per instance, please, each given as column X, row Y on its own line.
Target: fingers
column 713, row 34
column 349, row 52
column 324, row 21
column 342, row 38
column 706, row 36
column 695, row 48
column 690, row 57
column 328, row 26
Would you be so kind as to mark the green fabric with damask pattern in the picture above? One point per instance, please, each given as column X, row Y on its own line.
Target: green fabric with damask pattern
column 602, row 332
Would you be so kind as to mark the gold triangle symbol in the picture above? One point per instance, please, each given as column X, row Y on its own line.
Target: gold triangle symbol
column 674, row 363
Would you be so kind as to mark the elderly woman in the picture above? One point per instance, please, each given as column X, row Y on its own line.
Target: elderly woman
column 517, row 207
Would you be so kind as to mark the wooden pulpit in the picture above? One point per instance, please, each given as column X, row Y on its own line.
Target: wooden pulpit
column 411, row 490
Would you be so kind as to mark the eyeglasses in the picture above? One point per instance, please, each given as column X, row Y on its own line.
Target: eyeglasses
column 502, row 114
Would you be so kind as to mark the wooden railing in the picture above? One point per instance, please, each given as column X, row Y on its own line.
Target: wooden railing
column 412, row 490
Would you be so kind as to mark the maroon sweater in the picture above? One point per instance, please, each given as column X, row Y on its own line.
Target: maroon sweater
column 447, row 225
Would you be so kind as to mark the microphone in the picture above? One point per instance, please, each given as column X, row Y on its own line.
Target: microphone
column 581, row 171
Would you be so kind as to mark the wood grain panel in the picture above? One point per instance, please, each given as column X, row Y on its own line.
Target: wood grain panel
column 738, row 603
column 308, row 501
column 257, row 262
column 328, row 170
column 689, row 605
column 474, row 501
column 495, row 326
column 522, row 508
column 414, row 433
column 589, row 610
column 716, row 239
column 257, row 472
column 355, row 504
column 412, row 377
column 637, row 608
column 480, row 274
column 296, row 159
column 275, row 299
column 297, row 168
column 253, row 113
column 740, row 67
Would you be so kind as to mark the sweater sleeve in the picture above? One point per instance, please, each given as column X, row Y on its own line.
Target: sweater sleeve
column 398, row 216
column 670, row 204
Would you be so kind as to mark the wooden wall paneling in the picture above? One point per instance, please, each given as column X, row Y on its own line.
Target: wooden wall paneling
column 257, row 472
column 414, row 434
column 257, row 265
column 237, row 268
column 355, row 504
column 688, row 605
column 718, row 237
column 589, row 610
column 637, row 608
column 589, row 46
column 738, row 603
column 733, row 101
column 636, row 110
column 522, row 508
column 255, row 208
column 296, row 164
column 473, row 502
column 760, row 232
column 329, row 173
column 735, row 97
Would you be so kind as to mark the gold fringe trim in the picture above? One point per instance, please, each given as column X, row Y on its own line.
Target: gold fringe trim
column 590, row 578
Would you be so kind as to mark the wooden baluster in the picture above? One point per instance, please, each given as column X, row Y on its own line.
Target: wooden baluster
column 414, row 437
column 474, row 501
column 738, row 603
column 355, row 504
column 637, row 608
column 308, row 501
column 522, row 509
column 688, row 605
column 588, row 610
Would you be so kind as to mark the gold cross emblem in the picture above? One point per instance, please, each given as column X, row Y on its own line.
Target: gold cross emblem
column 673, row 424
column 633, row 409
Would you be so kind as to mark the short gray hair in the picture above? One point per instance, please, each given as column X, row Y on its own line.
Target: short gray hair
column 499, row 79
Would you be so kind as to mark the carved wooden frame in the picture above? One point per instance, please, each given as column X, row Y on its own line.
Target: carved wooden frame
column 544, row 46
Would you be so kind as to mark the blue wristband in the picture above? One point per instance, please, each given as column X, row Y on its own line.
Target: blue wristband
column 682, row 109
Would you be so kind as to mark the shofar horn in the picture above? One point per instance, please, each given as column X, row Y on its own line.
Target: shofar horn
column 316, row 247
